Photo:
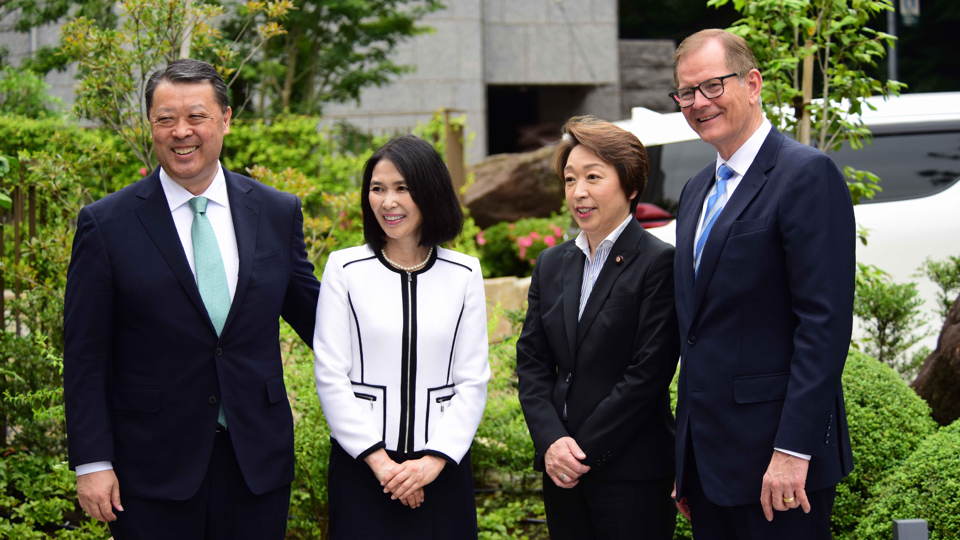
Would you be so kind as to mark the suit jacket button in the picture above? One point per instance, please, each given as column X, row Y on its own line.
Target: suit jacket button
column 569, row 377
column 692, row 340
column 219, row 351
column 213, row 399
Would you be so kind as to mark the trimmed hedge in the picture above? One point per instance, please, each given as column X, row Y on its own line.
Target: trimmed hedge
column 926, row 485
column 887, row 422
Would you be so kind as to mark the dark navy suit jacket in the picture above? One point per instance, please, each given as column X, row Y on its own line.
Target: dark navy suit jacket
column 765, row 326
column 144, row 371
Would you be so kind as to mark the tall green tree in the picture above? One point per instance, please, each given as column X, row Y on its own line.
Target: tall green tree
column 116, row 64
column 332, row 50
column 813, row 56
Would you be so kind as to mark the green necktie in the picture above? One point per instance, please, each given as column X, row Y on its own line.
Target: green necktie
column 211, row 277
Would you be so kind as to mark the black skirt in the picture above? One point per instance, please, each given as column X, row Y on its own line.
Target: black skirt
column 359, row 509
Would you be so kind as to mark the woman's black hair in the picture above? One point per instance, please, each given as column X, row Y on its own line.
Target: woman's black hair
column 430, row 187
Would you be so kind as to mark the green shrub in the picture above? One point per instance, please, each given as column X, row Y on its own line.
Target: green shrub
column 510, row 249
column 502, row 451
column 946, row 274
column 926, row 486
column 887, row 421
column 502, row 516
column 890, row 316
column 24, row 93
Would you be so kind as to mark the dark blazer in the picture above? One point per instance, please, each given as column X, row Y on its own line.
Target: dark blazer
column 613, row 368
column 144, row 371
column 766, row 326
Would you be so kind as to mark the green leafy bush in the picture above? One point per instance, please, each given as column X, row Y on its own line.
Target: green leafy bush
column 503, row 516
column 887, row 421
column 926, row 486
column 511, row 249
column 24, row 93
column 946, row 274
column 890, row 316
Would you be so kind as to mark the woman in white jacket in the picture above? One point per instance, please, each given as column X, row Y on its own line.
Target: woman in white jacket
column 401, row 357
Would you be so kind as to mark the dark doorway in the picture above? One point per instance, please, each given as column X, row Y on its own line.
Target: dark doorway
column 524, row 118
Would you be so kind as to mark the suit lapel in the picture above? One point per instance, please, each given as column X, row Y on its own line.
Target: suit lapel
column 687, row 230
column 154, row 214
column 573, row 261
column 245, row 210
column 625, row 247
column 750, row 185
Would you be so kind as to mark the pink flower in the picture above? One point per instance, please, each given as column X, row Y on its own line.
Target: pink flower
column 523, row 252
column 535, row 235
column 533, row 262
column 143, row 171
column 557, row 231
column 511, row 226
column 549, row 241
column 480, row 239
column 524, row 241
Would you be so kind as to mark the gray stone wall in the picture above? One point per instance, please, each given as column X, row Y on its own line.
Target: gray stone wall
column 646, row 74
column 449, row 73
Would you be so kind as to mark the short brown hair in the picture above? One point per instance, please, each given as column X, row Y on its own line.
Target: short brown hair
column 612, row 144
column 739, row 57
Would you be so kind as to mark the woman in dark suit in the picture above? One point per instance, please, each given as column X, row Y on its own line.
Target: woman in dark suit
column 599, row 348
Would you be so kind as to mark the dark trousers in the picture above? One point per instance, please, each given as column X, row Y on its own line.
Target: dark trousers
column 714, row 522
column 223, row 508
column 602, row 510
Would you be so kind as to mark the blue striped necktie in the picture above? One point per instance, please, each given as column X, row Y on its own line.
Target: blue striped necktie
column 211, row 275
column 715, row 201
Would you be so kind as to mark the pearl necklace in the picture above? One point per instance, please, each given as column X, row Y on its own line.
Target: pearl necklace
column 408, row 268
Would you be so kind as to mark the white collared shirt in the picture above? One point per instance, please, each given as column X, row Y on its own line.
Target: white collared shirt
column 739, row 163
column 593, row 265
column 218, row 212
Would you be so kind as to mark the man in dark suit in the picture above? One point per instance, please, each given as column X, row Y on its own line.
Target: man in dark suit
column 765, row 277
column 598, row 350
column 172, row 375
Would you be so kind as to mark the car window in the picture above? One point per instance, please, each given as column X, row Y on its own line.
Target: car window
column 909, row 165
column 671, row 165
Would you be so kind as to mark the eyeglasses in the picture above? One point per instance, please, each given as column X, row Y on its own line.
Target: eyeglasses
column 710, row 88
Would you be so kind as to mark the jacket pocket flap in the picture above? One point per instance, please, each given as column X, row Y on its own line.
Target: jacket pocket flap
column 372, row 400
column 617, row 301
column 757, row 388
column 439, row 399
column 268, row 261
column 748, row 226
column 275, row 390
column 136, row 398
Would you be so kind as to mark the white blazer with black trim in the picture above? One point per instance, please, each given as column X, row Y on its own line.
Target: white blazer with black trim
column 401, row 357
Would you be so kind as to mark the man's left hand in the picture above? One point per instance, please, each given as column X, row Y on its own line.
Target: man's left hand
column 783, row 484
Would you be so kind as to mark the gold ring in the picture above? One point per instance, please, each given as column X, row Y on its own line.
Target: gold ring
column 790, row 500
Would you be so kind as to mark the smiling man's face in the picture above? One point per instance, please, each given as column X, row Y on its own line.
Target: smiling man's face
column 188, row 128
column 727, row 121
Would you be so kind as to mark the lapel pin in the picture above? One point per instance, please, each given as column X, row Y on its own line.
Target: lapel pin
column 619, row 259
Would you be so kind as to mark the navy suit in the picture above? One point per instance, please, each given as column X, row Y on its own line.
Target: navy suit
column 765, row 326
column 144, row 370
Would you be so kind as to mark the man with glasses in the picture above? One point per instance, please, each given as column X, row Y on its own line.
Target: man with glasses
column 764, row 276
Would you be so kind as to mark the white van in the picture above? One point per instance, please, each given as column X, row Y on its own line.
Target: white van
column 915, row 152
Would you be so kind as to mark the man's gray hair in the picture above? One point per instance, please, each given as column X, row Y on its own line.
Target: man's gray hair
column 187, row 70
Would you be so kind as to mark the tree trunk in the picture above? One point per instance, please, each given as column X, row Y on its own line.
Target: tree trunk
column 806, row 88
column 291, row 54
column 939, row 379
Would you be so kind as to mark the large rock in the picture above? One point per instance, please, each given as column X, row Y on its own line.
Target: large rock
column 939, row 379
column 509, row 187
